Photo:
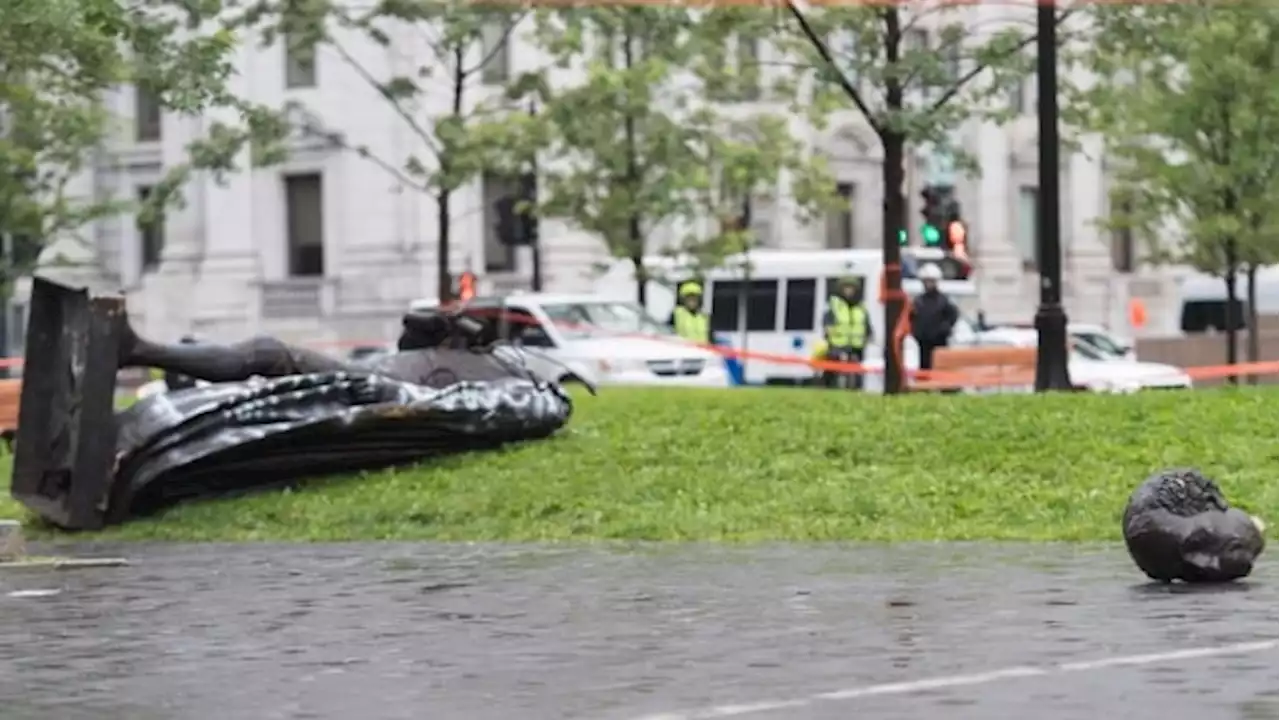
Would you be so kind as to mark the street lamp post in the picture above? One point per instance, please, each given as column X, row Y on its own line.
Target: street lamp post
column 1051, row 319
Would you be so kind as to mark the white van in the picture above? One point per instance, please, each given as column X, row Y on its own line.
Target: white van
column 1204, row 300
column 595, row 340
column 772, row 301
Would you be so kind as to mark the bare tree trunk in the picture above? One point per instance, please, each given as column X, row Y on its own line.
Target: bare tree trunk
column 894, row 220
column 444, row 219
column 635, row 234
column 895, row 208
column 1253, row 349
column 642, row 279
column 1232, row 317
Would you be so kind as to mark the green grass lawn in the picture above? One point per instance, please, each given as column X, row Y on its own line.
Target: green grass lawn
column 771, row 464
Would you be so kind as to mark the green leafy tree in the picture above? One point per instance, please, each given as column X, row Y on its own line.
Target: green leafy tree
column 57, row 60
column 915, row 72
column 1187, row 103
column 467, row 49
column 646, row 138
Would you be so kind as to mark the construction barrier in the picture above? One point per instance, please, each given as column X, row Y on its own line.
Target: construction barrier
column 975, row 378
column 937, row 377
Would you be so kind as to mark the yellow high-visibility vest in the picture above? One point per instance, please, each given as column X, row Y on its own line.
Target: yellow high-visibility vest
column 849, row 329
column 692, row 326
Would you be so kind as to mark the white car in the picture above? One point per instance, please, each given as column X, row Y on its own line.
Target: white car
column 1096, row 369
column 597, row 341
column 1103, row 341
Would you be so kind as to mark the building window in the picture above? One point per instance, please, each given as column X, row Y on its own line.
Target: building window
column 150, row 234
column 1028, row 227
column 304, row 217
column 747, row 61
column 498, row 256
column 916, row 40
column 1018, row 96
column 299, row 64
column 147, row 114
column 496, row 52
column 953, row 62
column 843, row 46
column 1123, row 255
column 840, row 220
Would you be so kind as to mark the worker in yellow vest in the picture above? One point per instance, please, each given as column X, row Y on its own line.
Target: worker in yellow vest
column 846, row 329
column 688, row 320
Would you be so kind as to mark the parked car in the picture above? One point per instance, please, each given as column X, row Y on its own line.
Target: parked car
column 1099, row 338
column 1094, row 368
column 587, row 338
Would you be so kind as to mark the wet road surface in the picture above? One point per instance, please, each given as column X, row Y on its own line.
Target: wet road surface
column 391, row 632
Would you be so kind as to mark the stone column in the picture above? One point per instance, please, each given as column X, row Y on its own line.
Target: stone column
column 226, row 295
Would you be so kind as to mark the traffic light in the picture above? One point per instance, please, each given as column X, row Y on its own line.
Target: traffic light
column 518, row 226
column 937, row 198
column 958, row 238
column 902, row 238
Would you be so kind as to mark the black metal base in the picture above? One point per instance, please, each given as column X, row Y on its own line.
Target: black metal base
column 64, row 452
column 1051, row 361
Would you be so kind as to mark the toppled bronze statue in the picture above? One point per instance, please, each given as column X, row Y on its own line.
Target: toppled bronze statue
column 276, row 412
column 1179, row 526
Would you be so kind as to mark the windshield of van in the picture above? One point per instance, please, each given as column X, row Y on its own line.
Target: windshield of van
column 595, row 320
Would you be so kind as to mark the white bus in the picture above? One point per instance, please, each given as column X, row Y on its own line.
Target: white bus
column 772, row 301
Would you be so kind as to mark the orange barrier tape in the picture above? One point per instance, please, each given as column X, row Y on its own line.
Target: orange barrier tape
column 976, row 378
column 966, row 379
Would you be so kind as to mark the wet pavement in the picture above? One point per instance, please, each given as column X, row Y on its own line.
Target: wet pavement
column 484, row 632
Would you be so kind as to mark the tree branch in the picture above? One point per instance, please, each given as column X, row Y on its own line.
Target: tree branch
column 399, row 109
column 493, row 51
column 336, row 139
column 964, row 80
column 825, row 53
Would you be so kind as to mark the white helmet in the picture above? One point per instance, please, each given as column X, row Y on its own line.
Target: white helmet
column 930, row 272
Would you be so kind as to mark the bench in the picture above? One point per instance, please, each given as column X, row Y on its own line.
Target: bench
column 982, row 367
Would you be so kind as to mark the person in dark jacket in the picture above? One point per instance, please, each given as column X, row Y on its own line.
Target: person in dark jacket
column 933, row 316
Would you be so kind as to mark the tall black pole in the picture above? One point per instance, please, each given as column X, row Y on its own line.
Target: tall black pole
column 535, row 242
column 1051, row 320
column 6, row 290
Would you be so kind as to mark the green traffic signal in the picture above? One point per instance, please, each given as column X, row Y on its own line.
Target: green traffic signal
column 931, row 235
column 902, row 238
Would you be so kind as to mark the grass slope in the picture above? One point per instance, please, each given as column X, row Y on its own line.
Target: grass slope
column 785, row 465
